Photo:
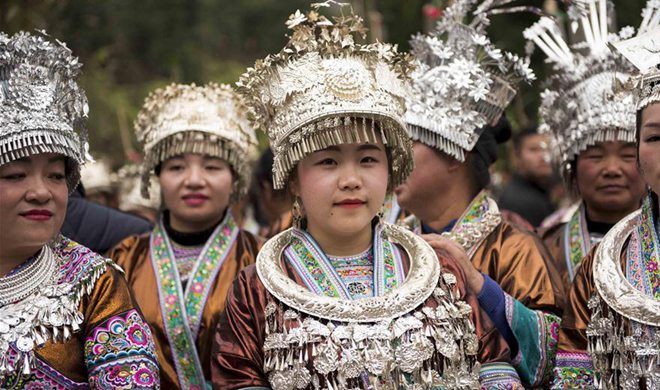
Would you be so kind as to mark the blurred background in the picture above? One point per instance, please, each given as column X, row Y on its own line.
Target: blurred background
column 132, row 47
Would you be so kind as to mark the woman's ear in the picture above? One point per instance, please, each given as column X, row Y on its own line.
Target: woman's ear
column 453, row 164
column 294, row 186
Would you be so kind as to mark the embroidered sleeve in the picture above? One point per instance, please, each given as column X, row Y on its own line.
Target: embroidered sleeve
column 496, row 376
column 573, row 370
column 120, row 354
column 537, row 334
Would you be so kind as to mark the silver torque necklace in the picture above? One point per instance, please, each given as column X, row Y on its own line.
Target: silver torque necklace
column 25, row 282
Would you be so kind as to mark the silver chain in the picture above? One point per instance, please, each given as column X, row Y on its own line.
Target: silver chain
column 25, row 282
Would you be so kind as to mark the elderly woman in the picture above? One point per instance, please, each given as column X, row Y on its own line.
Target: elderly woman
column 67, row 317
column 610, row 333
column 594, row 143
column 344, row 300
column 456, row 121
column 196, row 140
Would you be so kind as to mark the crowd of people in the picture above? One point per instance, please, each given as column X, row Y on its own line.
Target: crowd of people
column 368, row 247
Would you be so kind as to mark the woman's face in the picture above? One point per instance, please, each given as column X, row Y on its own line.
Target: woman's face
column 33, row 199
column 649, row 146
column 432, row 176
column 342, row 188
column 607, row 176
column 196, row 190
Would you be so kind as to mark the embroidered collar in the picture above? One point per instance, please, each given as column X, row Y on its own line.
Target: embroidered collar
column 643, row 255
column 182, row 311
column 577, row 241
column 417, row 287
column 480, row 218
column 635, row 299
column 316, row 270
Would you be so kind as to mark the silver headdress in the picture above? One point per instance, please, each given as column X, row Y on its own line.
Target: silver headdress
column 462, row 82
column 324, row 89
column 643, row 51
column 209, row 119
column 129, row 181
column 582, row 104
column 96, row 177
column 41, row 106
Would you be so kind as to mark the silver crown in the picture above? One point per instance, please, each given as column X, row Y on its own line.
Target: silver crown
column 583, row 104
column 643, row 51
column 462, row 82
column 41, row 105
column 324, row 89
column 209, row 119
column 129, row 181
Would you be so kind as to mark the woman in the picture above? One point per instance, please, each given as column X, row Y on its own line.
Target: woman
column 593, row 135
column 456, row 120
column 343, row 300
column 67, row 318
column 610, row 333
column 195, row 140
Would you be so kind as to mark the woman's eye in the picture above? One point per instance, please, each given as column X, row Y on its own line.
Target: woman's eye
column 369, row 159
column 652, row 138
column 57, row 176
column 13, row 176
column 327, row 161
column 175, row 167
column 214, row 167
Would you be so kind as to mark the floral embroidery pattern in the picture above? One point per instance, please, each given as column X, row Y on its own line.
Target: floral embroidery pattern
column 182, row 312
column 476, row 210
column 321, row 277
column 537, row 334
column 42, row 377
column 119, row 354
column 548, row 345
column 576, row 240
column 80, row 271
column 642, row 258
column 649, row 251
column 356, row 272
column 499, row 376
column 573, row 371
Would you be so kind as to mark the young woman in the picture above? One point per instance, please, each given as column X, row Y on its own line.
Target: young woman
column 344, row 300
column 610, row 333
column 455, row 119
column 195, row 140
column 67, row 318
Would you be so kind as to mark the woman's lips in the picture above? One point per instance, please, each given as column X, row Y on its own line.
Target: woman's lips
column 195, row 199
column 350, row 203
column 612, row 188
column 37, row 215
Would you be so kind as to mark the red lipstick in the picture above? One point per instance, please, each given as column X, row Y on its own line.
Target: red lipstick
column 194, row 199
column 37, row 215
column 351, row 203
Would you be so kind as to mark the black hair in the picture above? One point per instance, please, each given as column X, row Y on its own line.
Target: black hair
column 262, row 173
column 520, row 137
column 484, row 153
column 263, row 170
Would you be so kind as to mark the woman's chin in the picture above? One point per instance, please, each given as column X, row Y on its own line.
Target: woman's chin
column 352, row 226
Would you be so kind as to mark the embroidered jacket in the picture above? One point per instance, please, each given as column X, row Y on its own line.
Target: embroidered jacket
column 610, row 332
column 183, row 318
column 109, row 345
